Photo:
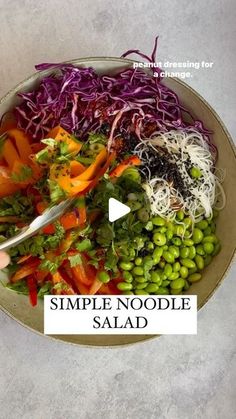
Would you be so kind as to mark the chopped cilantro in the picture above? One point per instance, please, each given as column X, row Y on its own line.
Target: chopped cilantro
column 97, row 138
column 20, row 287
column 75, row 260
column 50, row 266
column 56, row 192
column 43, row 156
column 45, row 289
column 84, row 245
column 16, row 204
column 63, row 147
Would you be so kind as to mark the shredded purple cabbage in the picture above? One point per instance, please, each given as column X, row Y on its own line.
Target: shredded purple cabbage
column 81, row 101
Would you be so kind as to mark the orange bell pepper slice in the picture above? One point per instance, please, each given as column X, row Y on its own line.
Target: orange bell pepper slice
column 93, row 169
column 61, row 135
column 76, row 168
column 69, row 220
column 7, row 187
column 9, row 153
column 22, row 144
column 130, row 161
column 95, row 287
column 26, row 270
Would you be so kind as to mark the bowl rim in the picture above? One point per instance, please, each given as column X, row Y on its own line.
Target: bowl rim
column 13, row 91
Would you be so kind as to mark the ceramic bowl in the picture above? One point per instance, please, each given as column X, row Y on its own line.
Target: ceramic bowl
column 18, row 307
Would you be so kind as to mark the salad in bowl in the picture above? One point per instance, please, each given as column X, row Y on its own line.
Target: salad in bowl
column 91, row 137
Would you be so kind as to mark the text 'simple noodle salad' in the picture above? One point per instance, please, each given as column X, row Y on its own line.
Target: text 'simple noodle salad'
column 93, row 137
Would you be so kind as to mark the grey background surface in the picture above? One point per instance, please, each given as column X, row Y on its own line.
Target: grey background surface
column 174, row 377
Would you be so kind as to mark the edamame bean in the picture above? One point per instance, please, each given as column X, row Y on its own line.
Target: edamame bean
column 194, row 277
column 188, row 242
column 184, row 252
column 174, row 250
column 170, row 226
column 210, row 239
column 169, row 234
column 207, row 232
column 127, row 293
column 140, row 279
column 176, row 267
column 168, row 270
column 138, row 261
column 213, row 227
column 149, row 245
column 199, row 262
column 149, row 226
column 163, row 276
column 132, row 253
column 180, row 215
column 197, row 235
column 177, row 283
column 186, row 286
column 162, row 264
column 159, row 239
column 192, row 252
column 203, row 224
column 183, row 271
column 199, row 249
column 104, row 277
column 188, row 263
column 176, row 241
column 126, row 266
column 124, row 286
column 165, row 283
column 155, row 277
column 157, row 252
column 187, row 234
column 151, row 288
column 217, row 249
column 169, row 257
column 137, row 270
column 162, row 229
column 143, row 215
column 158, row 221
column 187, row 222
column 176, row 291
column 179, row 230
column 207, row 260
column 141, row 286
column 141, row 292
column 162, row 291
column 209, row 248
column 127, row 276
column 195, row 172
column 173, row 276
column 192, row 271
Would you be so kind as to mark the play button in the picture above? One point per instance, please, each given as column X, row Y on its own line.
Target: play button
column 116, row 209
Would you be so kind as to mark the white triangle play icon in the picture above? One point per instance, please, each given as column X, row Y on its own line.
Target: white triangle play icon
column 116, row 209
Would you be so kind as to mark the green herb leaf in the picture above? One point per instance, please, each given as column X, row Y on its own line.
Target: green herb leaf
column 20, row 287
column 50, row 266
column 51, row 142
column 97, row 138
column 84, row 245
column 45, row 289
column 75, row 260
column 56, row 192
column 42, row 156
